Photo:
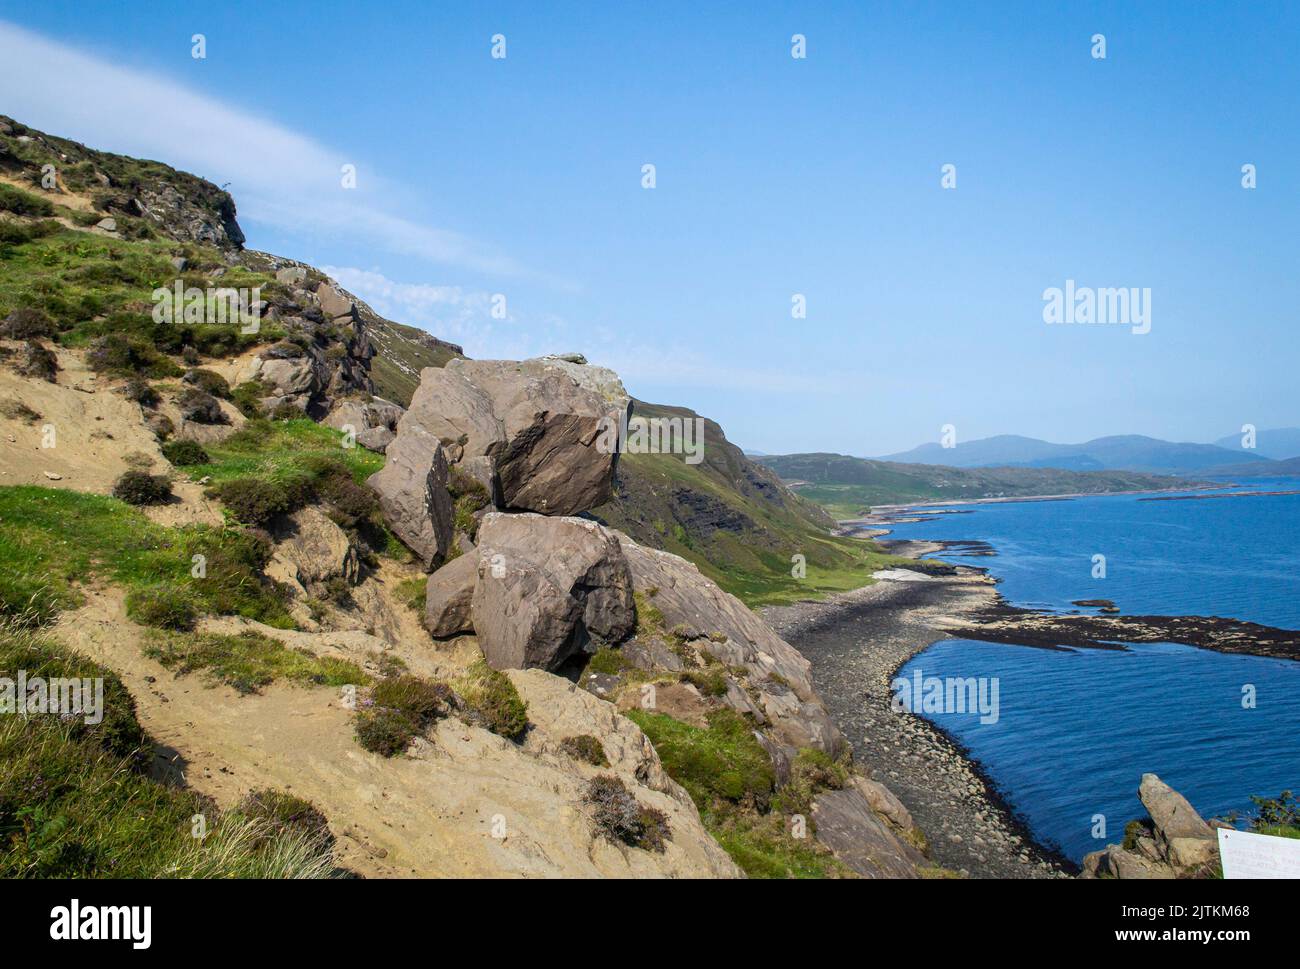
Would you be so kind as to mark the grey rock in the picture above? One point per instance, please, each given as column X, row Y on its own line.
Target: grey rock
column 449, row 596
column 412, row 489
column 538, row 422
column 846, row 824
column 548, row 588
column 694, row 608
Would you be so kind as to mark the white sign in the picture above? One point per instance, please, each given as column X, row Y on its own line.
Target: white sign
column 1247, row 855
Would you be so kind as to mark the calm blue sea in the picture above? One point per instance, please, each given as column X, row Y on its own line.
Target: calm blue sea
column 1077, row 729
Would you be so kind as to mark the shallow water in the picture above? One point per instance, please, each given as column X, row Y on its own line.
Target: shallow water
column 1077, row 729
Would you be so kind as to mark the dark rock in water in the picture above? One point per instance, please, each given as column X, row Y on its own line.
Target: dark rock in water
column 1004, row 623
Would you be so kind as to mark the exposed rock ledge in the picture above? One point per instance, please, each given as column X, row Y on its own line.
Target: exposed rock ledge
column 1175, row 842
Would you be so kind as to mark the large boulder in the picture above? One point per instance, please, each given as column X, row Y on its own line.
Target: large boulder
column 1177, row 842
column 845, row 823
column 449, row 596
column 413, row 497
column 692, row 608
column 1180, row 831
column 543, row 424
column 547, row 589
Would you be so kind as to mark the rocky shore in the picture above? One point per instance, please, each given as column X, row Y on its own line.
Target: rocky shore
column 856, row 641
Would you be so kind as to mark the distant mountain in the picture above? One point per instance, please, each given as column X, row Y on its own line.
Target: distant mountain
column 1129, row 452
column 1278, row 444
column 1257, row 469
column 848, row 486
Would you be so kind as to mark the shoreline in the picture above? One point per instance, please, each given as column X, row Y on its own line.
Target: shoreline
column 858, row 640
column 970, row 824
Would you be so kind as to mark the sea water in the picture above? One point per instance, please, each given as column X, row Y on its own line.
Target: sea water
column 1078, row 728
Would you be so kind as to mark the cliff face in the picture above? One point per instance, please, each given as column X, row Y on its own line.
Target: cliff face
column 594, row 704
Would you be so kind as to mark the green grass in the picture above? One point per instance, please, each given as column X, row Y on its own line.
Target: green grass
column 93, row 286
column 281, row 452
column 731, row 780
column 721, row 762
column 732, row 519
column 52, row 540
column 76, row 801
column 249, row 661
column 492, row 700
column 413, row 592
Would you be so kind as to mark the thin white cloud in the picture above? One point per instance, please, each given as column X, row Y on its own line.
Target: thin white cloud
column 278, row 177
column 453, row 313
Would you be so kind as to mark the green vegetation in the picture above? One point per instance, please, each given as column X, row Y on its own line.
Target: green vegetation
column 183, row 453
column 412, row 592
column 76, row 800
column 216, row 570
column 468, row 496
column 492, row 701
column 285, row 814
column 812, row 772
column 731, row 780
column 249, row 660
column 735, row 521
column 847, row 487
column 723, row 762
column 403, row 352
column 586, row 748
column 620, row 817
column 269, row 468
column 284, row 454
column 98, row 292
column 399, row 709
column 141, row 488
column 18, row 202
column 1278, row 816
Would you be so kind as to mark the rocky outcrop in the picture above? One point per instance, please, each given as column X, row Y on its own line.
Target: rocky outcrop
column 310, row 550
column 537, row 422
column 547, row 589
column 373, row 422
column 845, row 822
column 326, row 354
column 412, row 490
column 1173, row 842
column 691, row 608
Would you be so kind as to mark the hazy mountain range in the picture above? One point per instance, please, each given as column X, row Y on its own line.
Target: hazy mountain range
column 1129, row 452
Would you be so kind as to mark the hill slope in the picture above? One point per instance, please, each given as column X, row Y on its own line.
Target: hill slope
column 1127, row 452
column 848, row 486
column 1278, row 444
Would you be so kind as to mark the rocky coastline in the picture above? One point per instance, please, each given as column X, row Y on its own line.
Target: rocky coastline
column 856, row 642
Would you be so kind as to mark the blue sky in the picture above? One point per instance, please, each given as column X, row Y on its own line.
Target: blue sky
column 775, row 176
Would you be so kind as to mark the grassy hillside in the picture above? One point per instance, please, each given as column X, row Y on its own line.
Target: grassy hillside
column 401, row 352
column 734, row 519
column 848, row 487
